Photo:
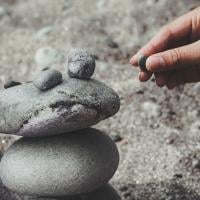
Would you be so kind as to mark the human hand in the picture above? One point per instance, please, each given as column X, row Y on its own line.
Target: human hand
column 174, row 53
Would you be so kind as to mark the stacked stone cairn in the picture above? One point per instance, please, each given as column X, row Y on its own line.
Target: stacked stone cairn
column 59, row 156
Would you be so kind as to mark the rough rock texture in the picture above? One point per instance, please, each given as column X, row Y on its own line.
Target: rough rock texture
column 75, row 104
column 157, row 146
column 69, row 164
column 81, row 64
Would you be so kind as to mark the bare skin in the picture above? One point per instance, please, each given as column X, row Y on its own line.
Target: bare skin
column 174, row 53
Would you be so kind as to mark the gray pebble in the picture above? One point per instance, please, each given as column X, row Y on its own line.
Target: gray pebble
column 116, row 138
column 10, row 84
column 72, row 105
column 142, row 62
column 196, row 163
column 111, row 43
column 45, row 68
column 81, row 64
column 48, row 79
column 68, row 164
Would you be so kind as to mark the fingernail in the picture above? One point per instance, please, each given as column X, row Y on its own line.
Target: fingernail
column 154, row 63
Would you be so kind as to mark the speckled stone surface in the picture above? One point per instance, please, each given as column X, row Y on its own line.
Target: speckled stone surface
column 81, row 64
column 104, row 193
column 69, row 164
column 74, row 104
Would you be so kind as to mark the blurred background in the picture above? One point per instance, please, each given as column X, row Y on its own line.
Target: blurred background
column 157, row 131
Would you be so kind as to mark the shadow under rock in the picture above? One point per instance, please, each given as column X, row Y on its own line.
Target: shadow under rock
column 105, row 193
column 169, row 190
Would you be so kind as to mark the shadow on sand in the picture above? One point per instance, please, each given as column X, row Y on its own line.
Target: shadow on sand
column 166, row 190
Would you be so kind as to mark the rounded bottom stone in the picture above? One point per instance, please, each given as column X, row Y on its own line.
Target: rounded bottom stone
column 64, row 165
column 106, row 192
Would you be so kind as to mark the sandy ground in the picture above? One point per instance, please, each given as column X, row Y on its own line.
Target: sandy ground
column 159, row 129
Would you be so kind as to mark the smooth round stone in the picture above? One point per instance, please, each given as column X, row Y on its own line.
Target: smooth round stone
column 81, row 64
column 10, row 84
column 47, row 79
column 71, row 164
column 72, row 105
column 46, row 56
column 104, row 193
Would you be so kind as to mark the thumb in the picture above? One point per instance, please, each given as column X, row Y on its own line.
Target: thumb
column 173, row 59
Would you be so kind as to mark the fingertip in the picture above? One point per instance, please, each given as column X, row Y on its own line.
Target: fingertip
column 144, row 76
column 133, row 61
column 161, row 80
column 171, row 84
column 170, row 87
column 136, row 58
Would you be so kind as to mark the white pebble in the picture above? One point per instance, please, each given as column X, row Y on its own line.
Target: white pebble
column 47, row 56
column 151, row 109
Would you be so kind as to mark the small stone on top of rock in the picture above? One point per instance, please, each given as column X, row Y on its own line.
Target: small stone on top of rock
column 81, row 64
column 48, row 79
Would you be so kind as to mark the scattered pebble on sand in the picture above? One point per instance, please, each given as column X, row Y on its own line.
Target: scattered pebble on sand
column 151, row 109
column 196, row 163
column 46, row 56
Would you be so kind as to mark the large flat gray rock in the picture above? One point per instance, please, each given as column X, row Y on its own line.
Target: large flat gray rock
column 67, row 164
column 72, row 105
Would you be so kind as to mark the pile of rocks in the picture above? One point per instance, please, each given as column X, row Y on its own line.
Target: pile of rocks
column 59, row 156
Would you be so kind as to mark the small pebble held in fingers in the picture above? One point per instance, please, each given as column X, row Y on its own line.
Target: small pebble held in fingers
column 142, row 62
column 10, row 84
column 48, row 79
column 81, row 64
